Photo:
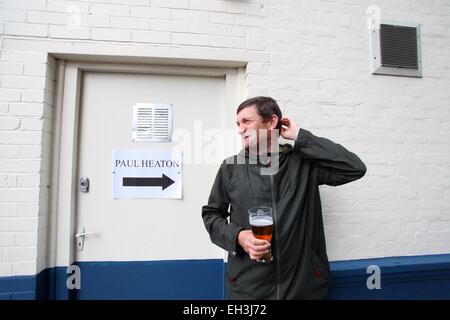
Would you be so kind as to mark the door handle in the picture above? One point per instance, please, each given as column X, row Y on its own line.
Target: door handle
column 83, row 234
column 80, row 236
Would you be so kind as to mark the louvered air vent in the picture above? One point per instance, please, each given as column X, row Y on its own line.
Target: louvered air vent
column 398, row 46
column 396, row 49
column 152, row 122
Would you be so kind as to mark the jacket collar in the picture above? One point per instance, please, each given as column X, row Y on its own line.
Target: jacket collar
column 263, row 159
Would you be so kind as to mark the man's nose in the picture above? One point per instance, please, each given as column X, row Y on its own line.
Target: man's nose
column 241, row 129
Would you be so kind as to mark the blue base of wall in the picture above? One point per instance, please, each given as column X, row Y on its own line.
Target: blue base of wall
column 135, row 280
column 411, row 278
column 18, row 288
column 418, row 277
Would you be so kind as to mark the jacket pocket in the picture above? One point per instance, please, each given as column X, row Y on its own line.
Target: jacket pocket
column 318, row 277
column 320, row 268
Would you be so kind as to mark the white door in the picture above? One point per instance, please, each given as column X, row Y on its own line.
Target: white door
column 135, row 230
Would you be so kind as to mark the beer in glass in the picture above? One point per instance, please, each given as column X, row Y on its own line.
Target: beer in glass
column 261, row 221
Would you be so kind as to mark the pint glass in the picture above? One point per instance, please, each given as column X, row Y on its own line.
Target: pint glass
column 261, row 221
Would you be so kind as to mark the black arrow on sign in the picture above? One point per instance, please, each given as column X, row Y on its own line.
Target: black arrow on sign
column 163, row 182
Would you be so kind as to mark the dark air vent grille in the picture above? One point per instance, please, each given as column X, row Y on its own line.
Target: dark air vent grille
column 398, row 46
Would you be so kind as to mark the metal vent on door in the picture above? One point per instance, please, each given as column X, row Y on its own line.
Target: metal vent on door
column 395, row 49
column 152, row 122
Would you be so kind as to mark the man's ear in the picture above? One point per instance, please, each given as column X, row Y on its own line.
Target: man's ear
column 273, row 122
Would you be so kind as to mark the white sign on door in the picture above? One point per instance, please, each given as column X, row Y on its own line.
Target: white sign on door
column 147, row 173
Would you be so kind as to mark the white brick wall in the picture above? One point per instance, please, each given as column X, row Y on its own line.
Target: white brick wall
column 312, row 56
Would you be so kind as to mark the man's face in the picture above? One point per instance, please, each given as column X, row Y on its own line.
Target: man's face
column 249, row 124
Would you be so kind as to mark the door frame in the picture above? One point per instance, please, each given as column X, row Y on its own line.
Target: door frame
column 62, row 218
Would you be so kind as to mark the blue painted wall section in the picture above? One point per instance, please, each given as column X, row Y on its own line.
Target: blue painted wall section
column 418, row 277
column 18, row 288
column 415, row 277
column 51, row 285
column 177, row 279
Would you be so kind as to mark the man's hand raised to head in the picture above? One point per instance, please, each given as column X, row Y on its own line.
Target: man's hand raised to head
column 289, row 129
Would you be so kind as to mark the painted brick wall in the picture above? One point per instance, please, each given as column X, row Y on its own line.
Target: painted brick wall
column 312, row 56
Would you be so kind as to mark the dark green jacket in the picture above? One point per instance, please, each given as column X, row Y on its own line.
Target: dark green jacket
column 300, row 269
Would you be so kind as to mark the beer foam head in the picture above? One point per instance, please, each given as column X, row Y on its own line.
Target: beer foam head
column 261, row 222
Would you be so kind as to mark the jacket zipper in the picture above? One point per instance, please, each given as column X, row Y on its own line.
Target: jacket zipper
column 276, row 232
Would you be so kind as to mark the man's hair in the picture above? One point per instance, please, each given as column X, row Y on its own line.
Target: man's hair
column 265, row 106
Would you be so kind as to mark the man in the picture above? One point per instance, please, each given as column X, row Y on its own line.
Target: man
column 300, row 268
